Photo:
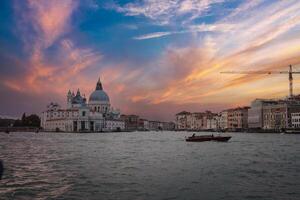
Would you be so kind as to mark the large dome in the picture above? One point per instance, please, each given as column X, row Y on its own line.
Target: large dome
column 99, row 94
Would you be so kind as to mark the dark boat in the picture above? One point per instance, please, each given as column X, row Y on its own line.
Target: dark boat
column 203, row 138
column 221, row 138
column 292, row 131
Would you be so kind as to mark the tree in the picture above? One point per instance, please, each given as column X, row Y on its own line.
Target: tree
column 33, row 121
column 23, row 117
column 18, row 123
column 6, row 122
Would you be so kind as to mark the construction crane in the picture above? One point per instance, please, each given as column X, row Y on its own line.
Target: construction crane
column 290, row 72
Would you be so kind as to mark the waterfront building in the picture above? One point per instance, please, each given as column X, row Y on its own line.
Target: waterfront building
column 271, row 114
column 182, row 119
column 275, row 116
column 278, row 116
column 218, row 117
column 189, row 120
column 143, row 125
column 212, row 123
column 203, row 121
column 196, row 121
column 255, row 112
column 267, row 114
column 295, row 120
column 134, row 123
column 146, row 125
column 131, row 122
column 237, row 118
column 114, row 125
column 155, row 125
column 209, row 121
column 168, row 126
column 82, row 116
column 151, row 125
column 223, row 120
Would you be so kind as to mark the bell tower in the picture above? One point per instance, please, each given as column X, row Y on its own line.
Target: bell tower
column 69, row 99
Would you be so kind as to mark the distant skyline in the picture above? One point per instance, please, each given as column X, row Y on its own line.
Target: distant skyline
column 155, row 58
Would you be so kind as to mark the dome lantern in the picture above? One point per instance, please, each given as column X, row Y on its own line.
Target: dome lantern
column 99, row 85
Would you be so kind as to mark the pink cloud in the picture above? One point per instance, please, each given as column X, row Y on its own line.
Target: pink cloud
column 182, row 77
column 51, row 19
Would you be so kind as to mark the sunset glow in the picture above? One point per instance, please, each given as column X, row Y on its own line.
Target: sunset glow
column 155, row 58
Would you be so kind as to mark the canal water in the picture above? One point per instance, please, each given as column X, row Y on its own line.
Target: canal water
column 149, row 165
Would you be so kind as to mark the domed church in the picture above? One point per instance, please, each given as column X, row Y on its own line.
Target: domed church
column 99, row 100
column 95, row 116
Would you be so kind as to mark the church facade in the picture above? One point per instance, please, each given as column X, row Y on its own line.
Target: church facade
column 96, row 115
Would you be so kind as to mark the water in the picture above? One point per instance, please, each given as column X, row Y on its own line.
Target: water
column 150, row 165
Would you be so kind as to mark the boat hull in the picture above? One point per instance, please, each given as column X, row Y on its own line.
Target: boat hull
column 292, row 131
column 208, row 138
column 197, row 139
column 221, row 138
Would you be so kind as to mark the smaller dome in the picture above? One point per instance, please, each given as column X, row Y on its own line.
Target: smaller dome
column 78, row 98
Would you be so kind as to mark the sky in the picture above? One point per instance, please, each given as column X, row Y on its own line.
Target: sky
column 155, row 58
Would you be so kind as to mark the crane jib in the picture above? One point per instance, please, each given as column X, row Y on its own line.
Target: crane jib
column 290, row 73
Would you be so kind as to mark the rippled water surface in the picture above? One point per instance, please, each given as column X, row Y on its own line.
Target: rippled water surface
column 149, row 165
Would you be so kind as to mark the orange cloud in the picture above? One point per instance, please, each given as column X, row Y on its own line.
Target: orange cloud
column 51, row 21
column 262, row 39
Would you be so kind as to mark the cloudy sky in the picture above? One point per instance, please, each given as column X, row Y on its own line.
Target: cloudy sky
column 154, row 57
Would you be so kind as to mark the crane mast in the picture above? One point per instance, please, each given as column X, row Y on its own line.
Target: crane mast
column 291, row 80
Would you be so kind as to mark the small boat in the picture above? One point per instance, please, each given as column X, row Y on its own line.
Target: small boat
column 292, row 131
column 221, row 138
column 203, row 138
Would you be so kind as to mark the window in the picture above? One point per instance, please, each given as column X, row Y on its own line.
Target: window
column 83, row 113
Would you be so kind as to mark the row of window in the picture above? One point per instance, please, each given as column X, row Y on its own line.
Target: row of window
column 236, row 115
column 235, row 120
column 296, row 120
column 267, row 117
column 62, row 114
column 101, row 108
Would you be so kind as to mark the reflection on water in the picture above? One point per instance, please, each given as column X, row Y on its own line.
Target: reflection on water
column 150, row 165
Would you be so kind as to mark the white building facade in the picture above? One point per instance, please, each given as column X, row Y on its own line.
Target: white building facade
column 295, row 118
column 212, row 123
column 95, row 116
column 223, row 124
